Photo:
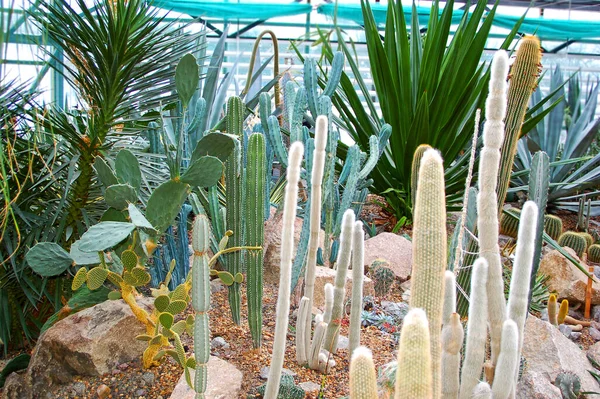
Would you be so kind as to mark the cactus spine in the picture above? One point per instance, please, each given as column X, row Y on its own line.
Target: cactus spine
column 552, row 307
column 594, row 253
column 508, row 360
column 429, row 253
column 363, row 379
column 452, row 339
column 234, row 195
column 358, row 237
column 343, row 261
column 487, row 222
column 573, row 240
column 523, row 81
column 287, row 247
column 476, row 330
column 413, row 376
column 553, row 226
column 256, row 177
column 201, row 302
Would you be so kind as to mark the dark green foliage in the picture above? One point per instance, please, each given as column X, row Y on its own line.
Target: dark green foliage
column 20, row 362
column 287, row 389
column 186, row 78
column 553, row 226
column 573, row 240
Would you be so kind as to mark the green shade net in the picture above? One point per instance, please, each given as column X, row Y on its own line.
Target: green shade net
column 545, row 29
column 245, row 10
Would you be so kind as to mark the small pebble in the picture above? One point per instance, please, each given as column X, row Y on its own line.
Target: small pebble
column 566, row 330
column 343, row 342
column 148, row 378
column 594, row 333
column 79, row 388
column 310, row 387
column 218, row 342
column 103, row 391
column 123, row 366
column 575, row 336
column 264, row 372
column 140, row 392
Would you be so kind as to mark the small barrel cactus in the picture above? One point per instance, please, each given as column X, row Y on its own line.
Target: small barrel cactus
column 573, row 240
column 382, row 275
column 588, row 238
column 509, row 226
column 553, row 226
column 594, row 253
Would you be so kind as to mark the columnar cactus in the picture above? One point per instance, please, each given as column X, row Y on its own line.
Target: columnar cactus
column 594, row 253
column 328, row 302
column 429, row 253
column 363, row 378
column 476, row 330
column 452, row 339
column 573, row 240
column 487, row 222
column 256, row 177
column 523, row 80
column 482, row 391
column 201, row 301
column 233, row 191
column 553, row 226
column 552, row 309
column 413, row 376
column 287, row 248
column 508, row 361
column 414, row 174
column 449, row 297
column 358, row 237
column 563, row 311
column 333, row 328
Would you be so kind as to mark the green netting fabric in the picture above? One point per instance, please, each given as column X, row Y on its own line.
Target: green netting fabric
column 246, row 10
column 546, row 29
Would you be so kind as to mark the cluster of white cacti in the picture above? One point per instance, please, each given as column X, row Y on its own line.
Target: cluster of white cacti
column 421, row 373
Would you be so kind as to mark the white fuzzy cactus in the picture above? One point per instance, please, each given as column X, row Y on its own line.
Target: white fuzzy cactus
column 358, row 237
column 363, row 378
column 285, row 270
column 328, row 302
column 508, row 361
column 452, row 339
column 482, row 391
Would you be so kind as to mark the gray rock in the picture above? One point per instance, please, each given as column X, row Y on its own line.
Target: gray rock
column 310, row 387
column 575, row 336
column 566, row 330
column 216, row 285
column 140, row 392
column 324, row 275
column 148, row 377
column 224, row 382
column 395, row 309
column 79, row 388
column 218, row 342
column 91, row 342
column 594, row 333
column 594, row 352
column 395, row 249
column 264, row 372
column 547, row 353
column 596, row 313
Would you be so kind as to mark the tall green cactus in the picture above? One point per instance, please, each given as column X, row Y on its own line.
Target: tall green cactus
column 413, row 376
column 201, row 302
column 235, row 200
column 523, row 80
column 363, row 378
column 256, row 177
column 429, row 253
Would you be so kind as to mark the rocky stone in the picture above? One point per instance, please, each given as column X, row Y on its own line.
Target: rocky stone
column 91, row 342
column 310, row 387
column 596, row 313
column 396, row 249
column 79, row 388
column 272, row 244
column 575, row 336
column 140, row 392
column 343, row 342
column 565, row 330
column 547, row 353
column 148, row 377
column 103, row 392
column 218, row 342
column 566, row 279
column 594, row 333
column 324, row 275
column 396, row 309
column 405, row 286
column 224, row 382
column 216, row 285
column 264, row 372
column 594, row 352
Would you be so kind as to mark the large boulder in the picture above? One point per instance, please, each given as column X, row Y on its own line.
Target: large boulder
column 91, row 342
column 272, row 245
column 224, row 382
column 547, row 353
column 566, row 279
column 396, row 249
column 324, row 275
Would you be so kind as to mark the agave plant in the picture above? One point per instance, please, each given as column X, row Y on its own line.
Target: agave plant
column 573, row 170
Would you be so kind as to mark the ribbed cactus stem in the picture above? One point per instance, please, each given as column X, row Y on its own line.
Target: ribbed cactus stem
column 563, row 311
column 315, row 220
column 482, row 391
column 201, row 301
column 476, row 330
column 523, row 81
column 521, row 274
column 414, row 174
column 343, row 261
column 413, row 376
column 508, row 361
column 358, row 238
column 285, row 270
column 552, row 308
column 430, row 254
column 301, row 341
column 328, row 302
column 449, row 297
column 256, row 181
column 487, row 222
column 452, row 339
column 363, row 378
column 317, row 342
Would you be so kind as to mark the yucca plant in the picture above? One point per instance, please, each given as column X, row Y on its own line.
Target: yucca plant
column 428, row 86
column 572, row 168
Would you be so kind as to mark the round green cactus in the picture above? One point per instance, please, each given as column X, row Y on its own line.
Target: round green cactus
column 553, row 226
column 382, row 275
column 573, row 240
column 589, row 240
column 509, row 226
column 594, row 253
